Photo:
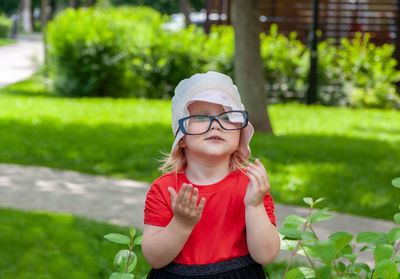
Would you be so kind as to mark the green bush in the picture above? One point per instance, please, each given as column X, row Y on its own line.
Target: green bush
column 121, row 52
column 331, row 91
column 90, row 50
column 5, row 26
column 163, row 6
column 219, row 48
column 171, row 57
column 284, row 66
column 369, row 72
column 125, row 52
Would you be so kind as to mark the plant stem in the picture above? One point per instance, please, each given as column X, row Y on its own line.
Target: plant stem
column 309, row 225
column 129, row 258
column 395, row 250
column 298, row 243
column 312, row 265
column 291, row 258
column 372, row 274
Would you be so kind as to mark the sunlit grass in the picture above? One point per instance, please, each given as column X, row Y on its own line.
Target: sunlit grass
column 4, row 42
column 347, row 156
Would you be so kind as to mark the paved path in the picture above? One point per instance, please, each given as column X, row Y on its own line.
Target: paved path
column 19, row 61
column 121, row 201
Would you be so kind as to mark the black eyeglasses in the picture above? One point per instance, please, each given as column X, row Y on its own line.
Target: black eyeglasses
column 201, row 124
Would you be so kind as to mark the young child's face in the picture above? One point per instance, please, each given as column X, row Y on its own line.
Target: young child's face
column 217, row 141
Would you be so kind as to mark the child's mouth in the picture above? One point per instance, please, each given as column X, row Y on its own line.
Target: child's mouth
column 214, row 138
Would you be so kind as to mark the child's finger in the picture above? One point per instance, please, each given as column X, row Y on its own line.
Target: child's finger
column 181, row 193
column 193, row 201
column 253, row 180
column 260, row 164
column 200, row 207
column 255, row 175
column 186, row 196
column 173, row 196
column 260, row 173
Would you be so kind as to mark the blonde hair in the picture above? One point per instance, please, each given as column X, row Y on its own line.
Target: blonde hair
column 174, row 162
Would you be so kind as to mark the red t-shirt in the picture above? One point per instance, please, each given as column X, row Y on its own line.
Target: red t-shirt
column 221, row 232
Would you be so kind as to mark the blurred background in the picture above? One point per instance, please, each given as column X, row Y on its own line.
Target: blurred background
column 85, row 88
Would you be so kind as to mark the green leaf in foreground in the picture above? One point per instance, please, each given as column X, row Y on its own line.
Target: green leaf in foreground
column 132, row 232
column 138, row 240
column 309, row 201
column 326, row 251
column 118, row 275
column 341, row 239
column 357, row 267
column 294, row 221
column 372, row 238
column 121, row 259
column 118, row 238
column 396, row 218
column 300, row 273
column 320, row 216
column 394, row 235
column 385, row 269
column 396, row 182
column 293, row 234
column 324, row 271
column 383, row 252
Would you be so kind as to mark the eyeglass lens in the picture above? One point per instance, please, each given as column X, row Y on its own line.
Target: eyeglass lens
column 198, row 124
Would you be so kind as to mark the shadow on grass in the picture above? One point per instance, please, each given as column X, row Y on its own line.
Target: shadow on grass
column 353, row 174
column 47, row 245
column 113, row 150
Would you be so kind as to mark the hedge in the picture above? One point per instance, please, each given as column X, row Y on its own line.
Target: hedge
column 125, row 52
column 5, row 26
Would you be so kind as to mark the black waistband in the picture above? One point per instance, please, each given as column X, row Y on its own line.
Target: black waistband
column 209, row 269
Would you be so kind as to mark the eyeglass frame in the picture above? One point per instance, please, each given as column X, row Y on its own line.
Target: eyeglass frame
column 212, row 118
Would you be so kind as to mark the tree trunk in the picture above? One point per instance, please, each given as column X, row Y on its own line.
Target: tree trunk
column 26, row 16
column 249, row 73
column 55, row 8
column 32, row 17
column 43, row 20
column 185, row 8
column 72, row 4
column 43, row 14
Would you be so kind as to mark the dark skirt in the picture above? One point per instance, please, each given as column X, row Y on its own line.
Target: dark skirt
column 239, row 268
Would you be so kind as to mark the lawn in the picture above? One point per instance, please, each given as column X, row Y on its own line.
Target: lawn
column 4, row 42
column 47, row 245
column 347, row 156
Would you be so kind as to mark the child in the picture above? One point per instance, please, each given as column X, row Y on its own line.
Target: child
column 209, row 216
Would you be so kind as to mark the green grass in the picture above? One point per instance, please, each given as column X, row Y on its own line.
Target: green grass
column 47, row 245
column 4, row 42
column 347, row 156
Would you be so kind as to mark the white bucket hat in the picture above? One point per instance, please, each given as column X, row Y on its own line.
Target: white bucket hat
column 211, row 87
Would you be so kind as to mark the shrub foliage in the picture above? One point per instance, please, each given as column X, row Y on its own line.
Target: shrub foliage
column 125, row 52
column 5, row 26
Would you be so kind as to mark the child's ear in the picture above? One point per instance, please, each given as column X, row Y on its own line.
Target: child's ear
column 182, row 143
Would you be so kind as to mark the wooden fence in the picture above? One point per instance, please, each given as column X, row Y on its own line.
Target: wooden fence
column 337, row 18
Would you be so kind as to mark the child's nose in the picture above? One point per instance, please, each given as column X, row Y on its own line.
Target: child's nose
column 215, row 125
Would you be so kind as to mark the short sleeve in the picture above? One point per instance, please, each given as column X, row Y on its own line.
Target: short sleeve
column 270, row 207
column 157, row 210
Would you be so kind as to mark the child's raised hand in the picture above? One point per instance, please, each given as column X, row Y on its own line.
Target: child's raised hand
column 259, row 184
column 185, row 209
